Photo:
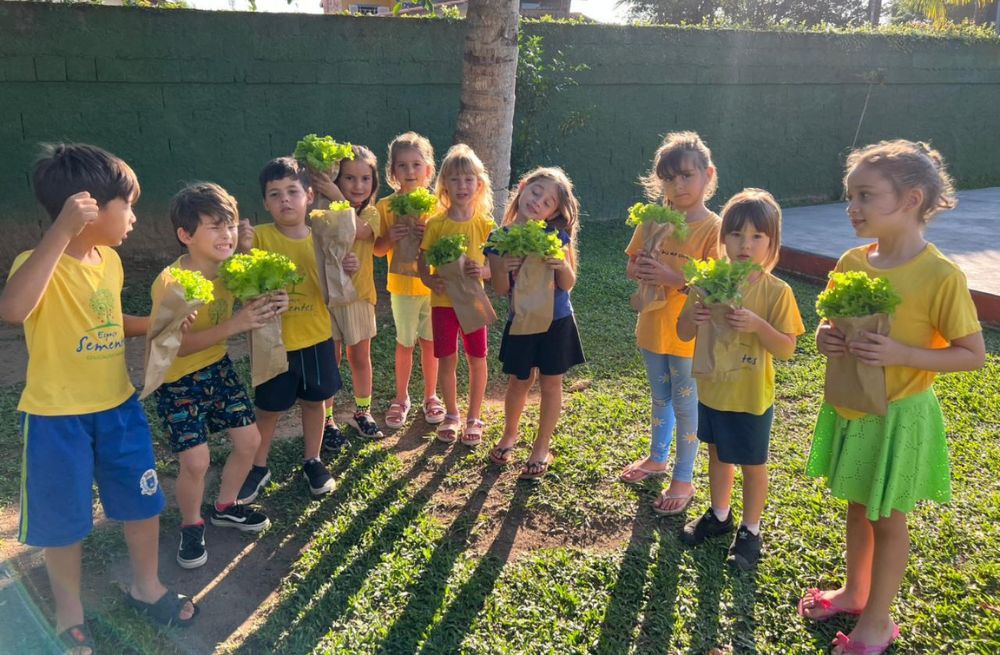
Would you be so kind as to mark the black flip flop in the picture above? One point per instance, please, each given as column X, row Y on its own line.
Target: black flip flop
column 166, row 611
column 77, row 636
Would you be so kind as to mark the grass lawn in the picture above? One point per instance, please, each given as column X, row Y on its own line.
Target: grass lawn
column 430, row 549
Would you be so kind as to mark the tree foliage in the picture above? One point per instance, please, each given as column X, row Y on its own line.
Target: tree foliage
column 748, row 12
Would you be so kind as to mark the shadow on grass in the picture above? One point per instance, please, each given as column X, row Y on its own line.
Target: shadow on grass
column 300, row 620
column 447, row 635
column 713, row 575
column 427, row 594
column 644, row 564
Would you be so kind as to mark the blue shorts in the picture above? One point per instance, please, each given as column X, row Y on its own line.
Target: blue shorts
column 64, row 455
column 739, row 437
column 208, row 400
column 312, row 376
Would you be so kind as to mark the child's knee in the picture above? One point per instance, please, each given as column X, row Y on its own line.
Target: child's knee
column 245, row 440
column 195, row 461
column 550, row 382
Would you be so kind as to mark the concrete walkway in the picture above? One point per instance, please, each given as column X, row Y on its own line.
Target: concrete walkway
column 969, row 235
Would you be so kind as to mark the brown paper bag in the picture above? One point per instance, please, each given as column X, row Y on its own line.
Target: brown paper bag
column 163, row 339
column 407, row 250
column 268, row 357
column 652, row 296
column 717, row 351
column 533, row 299
column 333, row 236
column 851, row 383
column 467, row 296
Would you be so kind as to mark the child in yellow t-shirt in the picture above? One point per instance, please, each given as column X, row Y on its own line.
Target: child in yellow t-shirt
column 735, row 413
column 201, row 392
column 312, row 376
column 80, row 418
column 683, row 177
column 357, row 182
column 884, row 465
column 463, row 189
column 410, row 166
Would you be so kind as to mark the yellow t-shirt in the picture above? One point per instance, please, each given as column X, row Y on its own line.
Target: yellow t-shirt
column 307, row 321
column 751, row 389
column 398, row 285
column 76, row 339
column 936, row 309
column 656, row 329
column 364, row 279
column 476, row 231
column 210, row 315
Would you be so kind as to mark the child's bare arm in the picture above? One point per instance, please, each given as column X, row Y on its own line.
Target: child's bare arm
column 966, row 353
column 364, row 232
column 382, row 245
column 245, row 236
column 779, row 344
column 498, row 274
column 26, row 286
column 430, row 280
column 135, row 326
column 252, row 315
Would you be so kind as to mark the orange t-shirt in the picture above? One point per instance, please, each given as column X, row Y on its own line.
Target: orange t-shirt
column 656, row 329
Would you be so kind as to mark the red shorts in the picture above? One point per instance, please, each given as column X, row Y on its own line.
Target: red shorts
column 445, row 326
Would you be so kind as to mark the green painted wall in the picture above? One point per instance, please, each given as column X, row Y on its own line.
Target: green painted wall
column 189, row 95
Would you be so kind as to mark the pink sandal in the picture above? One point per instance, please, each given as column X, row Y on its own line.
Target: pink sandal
column 449, row 429
column 473, row 435
column 396, row 416
column 855, row 647
column 434, row 411
column 823, row 604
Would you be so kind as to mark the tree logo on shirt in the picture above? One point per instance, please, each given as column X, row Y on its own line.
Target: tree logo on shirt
column 102, row 303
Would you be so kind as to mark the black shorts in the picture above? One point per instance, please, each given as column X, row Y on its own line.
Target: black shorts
column 312, row 375
column 739, row 437
column 552, row 352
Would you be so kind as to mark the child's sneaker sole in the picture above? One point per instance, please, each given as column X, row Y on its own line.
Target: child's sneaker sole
column 242, row 527
column 192, row 564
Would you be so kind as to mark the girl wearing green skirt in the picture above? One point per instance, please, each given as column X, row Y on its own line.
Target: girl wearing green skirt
column 883, row 465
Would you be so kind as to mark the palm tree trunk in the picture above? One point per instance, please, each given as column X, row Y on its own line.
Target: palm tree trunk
column 875, row 11
column 486, row 114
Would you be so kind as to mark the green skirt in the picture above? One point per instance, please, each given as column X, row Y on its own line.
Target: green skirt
column 886, row 462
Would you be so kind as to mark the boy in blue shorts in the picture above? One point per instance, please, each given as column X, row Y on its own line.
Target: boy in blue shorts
column 312, row 376
column 80, row 418
column 201, row 392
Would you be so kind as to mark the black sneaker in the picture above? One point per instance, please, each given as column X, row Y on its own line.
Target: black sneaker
column 191, row 552
column 257, row 479
column 705, row 526
column 365, row 425
column 320, row 482
column 333, row 438
column 745, row 551
column 242, row 517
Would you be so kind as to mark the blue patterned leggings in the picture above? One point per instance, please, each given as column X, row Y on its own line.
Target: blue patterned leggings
column 674, row 399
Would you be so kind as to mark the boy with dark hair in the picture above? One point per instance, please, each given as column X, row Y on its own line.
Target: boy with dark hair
column 80, row 417
column 312, row 376
column 201, row 392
